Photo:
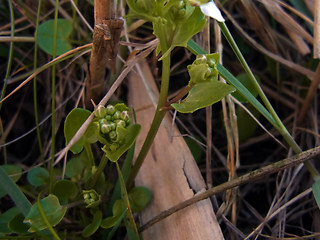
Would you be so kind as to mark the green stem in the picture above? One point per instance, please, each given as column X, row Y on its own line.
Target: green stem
column 281, row 128
column 158, row 117
column 89, row 153
column 35, row 101
column 53, row 96
column 100, row 169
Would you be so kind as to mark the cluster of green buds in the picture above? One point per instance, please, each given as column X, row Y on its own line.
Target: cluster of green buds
column 180, row 10
column 109, row 119
column 91, row 198
column 204, row 68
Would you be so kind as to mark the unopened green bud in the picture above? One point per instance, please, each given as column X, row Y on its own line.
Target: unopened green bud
column 208, row 73
column 113, row 135
column 105, row 128
column 116, row 115
column 103, row 121
column 181, row 12
column 108, row 118
column 211, row 62
column 121, row 123
column 100, row 112
column 201, row 59
column 113, row 126
column 110, row 109
column 91, row 198
column 124, row 115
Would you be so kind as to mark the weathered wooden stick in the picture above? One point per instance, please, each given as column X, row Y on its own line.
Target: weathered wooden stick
column 246, row 178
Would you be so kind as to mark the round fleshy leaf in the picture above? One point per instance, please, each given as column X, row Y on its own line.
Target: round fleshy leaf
column 139, row 198
column 38, row 176
column 52, row 209
column 94, row 225
column 45, row 36
column 65, row 190
column 203, row 95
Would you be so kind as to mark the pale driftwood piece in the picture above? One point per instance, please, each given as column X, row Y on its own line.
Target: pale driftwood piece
column 170, row 172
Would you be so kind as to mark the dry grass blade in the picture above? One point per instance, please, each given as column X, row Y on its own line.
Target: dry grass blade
column 45, row 67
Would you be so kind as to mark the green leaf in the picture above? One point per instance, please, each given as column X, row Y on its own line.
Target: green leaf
column 183, row 34
column 16, row 224
column 6, row 217
column 196, row 49
column 38, row 176
column 52, row 210
column 65, row 190
column 45, row 36
column 316, row 191
column 118, row 209
column 203, row 95
column 195, row 147
column 247, row 83
column 126, row 137
column 14, row 192
column 139, row 198
column 73, row 122
column 14, row 173
column 246, row 124
column 94, row 225
column 117, row 224
column 74, row 167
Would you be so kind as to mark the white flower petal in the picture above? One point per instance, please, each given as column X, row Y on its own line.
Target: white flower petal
column 210, row 9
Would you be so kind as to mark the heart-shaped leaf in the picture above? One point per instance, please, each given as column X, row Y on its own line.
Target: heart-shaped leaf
column 6, row 217
column 203, row 95
column 45, row 36
column 52, row 209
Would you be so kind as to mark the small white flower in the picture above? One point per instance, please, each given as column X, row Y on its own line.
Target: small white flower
column 210, row 9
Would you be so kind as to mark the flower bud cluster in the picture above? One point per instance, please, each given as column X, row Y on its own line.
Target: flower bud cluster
column 179, row 10
column 91, row 198
column 109, row 120
column 204, row 68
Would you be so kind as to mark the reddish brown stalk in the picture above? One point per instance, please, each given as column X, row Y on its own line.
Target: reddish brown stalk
column 106, row 38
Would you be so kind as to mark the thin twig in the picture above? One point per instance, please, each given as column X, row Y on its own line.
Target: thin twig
column 249, row 177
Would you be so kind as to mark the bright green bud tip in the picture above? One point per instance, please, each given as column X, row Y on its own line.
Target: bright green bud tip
column 121, row 123
column 124, row 115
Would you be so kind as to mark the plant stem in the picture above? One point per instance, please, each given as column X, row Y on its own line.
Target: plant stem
column 100, row 169
column 53, row 97
column 158, row 117
column 35, row 101
column 280, row 127
column 89, row 153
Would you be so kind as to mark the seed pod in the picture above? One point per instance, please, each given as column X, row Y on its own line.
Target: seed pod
column 110, row 109
column 100, row 112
